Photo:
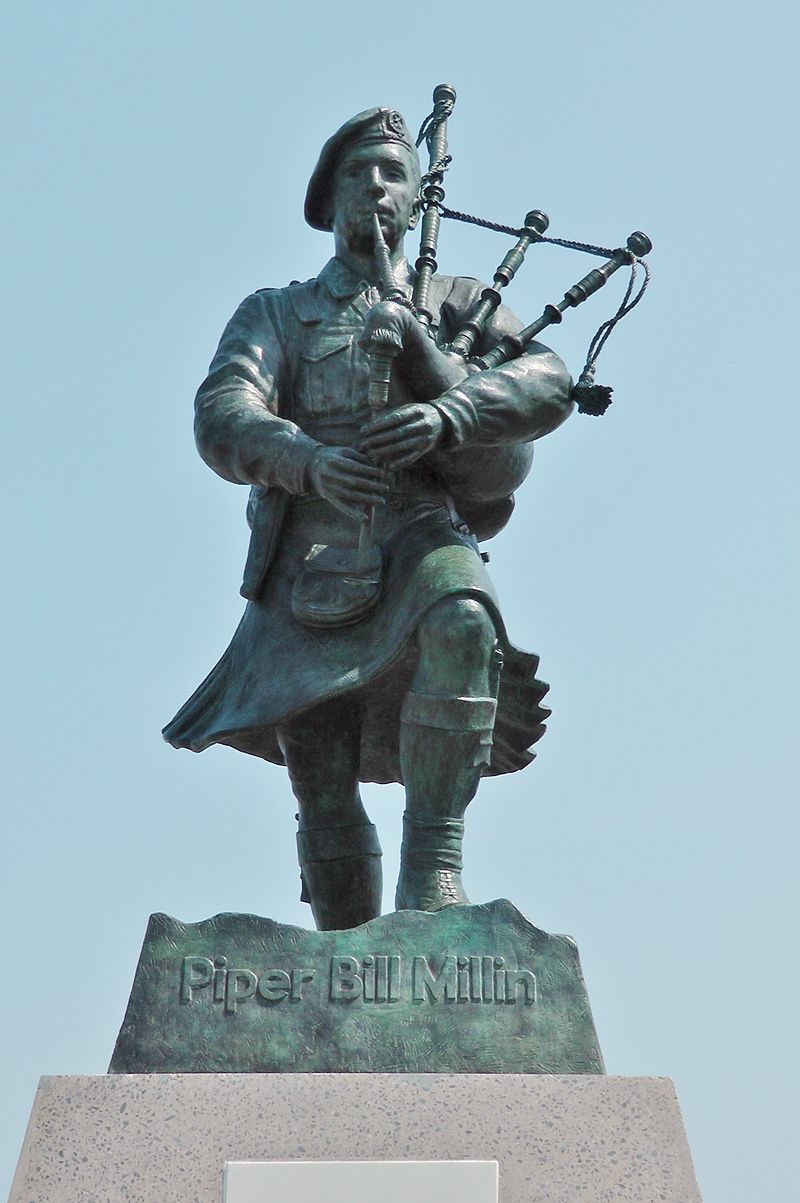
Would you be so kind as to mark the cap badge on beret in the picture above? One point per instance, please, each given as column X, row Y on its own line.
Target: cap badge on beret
column 396, row 122
column 379, row 125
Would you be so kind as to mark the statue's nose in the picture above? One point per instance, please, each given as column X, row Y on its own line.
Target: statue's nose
column 375, row 185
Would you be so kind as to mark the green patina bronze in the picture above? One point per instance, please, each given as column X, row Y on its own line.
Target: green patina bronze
column 472, row 989
column 372, row 647
column 383, row 416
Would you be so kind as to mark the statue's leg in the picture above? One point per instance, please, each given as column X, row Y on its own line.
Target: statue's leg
column 445, row 744
column 338, row 848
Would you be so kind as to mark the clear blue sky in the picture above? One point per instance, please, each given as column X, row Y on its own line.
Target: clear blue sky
column 156, row 160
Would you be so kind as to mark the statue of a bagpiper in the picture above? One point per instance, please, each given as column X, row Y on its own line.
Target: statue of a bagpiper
column 383, row 417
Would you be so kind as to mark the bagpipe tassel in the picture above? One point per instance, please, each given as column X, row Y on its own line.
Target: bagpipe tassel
column 591, row 398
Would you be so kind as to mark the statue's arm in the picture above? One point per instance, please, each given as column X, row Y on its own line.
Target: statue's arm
column 453, row 411
column 238, row 427
column 516, row 402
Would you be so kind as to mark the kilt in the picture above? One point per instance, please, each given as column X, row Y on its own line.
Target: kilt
column 275, row 668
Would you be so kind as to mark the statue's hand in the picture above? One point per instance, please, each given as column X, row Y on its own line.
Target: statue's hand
column 387, row 315
column 347, row 480
column 426, row 370
column 401, row 436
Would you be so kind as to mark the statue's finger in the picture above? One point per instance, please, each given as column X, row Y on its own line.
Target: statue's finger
column 408, row 447
column 375, row 480
column 393, row 438
column 364, row 497
column 355, row 457
column 410, row 421
column 365, row 470
column 360, row 488
column 390, row 419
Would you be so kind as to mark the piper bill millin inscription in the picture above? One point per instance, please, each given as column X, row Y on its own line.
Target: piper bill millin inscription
column 373, row 978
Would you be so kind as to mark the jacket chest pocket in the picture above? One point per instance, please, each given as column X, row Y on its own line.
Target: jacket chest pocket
column 331, row 375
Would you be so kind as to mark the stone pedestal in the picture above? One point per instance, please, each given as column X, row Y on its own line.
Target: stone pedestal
column 166, row 1137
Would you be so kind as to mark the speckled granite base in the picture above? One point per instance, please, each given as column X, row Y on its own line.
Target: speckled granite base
column 164, row 1138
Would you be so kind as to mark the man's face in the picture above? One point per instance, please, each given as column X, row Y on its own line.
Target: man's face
column 382, row 178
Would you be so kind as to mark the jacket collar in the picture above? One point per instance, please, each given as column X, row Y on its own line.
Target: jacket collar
column 343, row 283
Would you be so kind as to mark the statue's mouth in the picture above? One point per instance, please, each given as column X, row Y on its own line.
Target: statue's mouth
column 369, row 214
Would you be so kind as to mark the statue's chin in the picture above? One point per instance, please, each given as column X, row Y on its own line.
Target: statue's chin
column 361, row 244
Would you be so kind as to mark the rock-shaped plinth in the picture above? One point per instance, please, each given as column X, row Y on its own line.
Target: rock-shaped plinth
column 471, row 989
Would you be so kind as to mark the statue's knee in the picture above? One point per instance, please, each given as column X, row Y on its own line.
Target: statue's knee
column 457, row 628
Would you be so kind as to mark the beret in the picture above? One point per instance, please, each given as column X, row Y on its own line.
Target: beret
column 373, row 125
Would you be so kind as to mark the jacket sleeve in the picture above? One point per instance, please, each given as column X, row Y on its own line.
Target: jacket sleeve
column 516, row 402
column 238, row 427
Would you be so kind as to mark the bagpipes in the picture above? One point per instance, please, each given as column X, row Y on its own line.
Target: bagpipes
column 341, row 585
column 590, row 398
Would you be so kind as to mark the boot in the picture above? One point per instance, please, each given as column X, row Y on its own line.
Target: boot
column 340, row 869
column 430, row 864
column 445, row 745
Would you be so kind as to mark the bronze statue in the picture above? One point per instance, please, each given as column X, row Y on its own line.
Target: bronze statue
column 372, row 647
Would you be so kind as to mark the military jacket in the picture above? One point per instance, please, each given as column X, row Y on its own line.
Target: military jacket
column 289, row 375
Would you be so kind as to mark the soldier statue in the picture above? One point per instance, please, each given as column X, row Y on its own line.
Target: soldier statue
column 379, row 659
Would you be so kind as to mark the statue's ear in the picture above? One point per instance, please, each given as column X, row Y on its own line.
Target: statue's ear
column 414, row 214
